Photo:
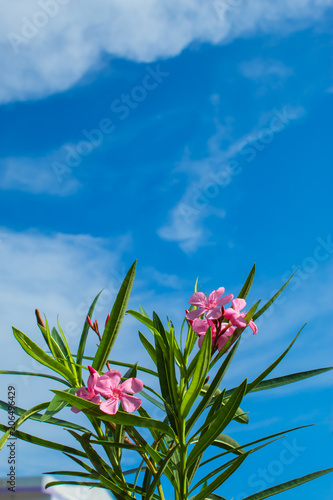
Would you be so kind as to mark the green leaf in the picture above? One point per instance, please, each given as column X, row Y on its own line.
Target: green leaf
column 213, row 496
column 53, row 344
column 32, row 374
column 157, row 403
column 208, row 391
column 162, row 467
column 56, row 405
column 272, row 383
column 248, row 284
column 72, row 473
column 39, row 355
column 227, row 443
column 44, row 442
column 116, row 317
column 120, row 417
column 281, row 434
column 148, row 346
column 264, row 374
column 274, row 490
column 38, row 416
column 202, row 495
column 162, row 355
column 222, row 419
column 199, row 375
column 142, row 318
column 270, row 302
column 69, row 356
column 127, row 365
column 84, row 336
column 58, row 340
column 20, row 421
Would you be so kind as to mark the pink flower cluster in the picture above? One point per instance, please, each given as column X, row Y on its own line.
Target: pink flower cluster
column 109, row 386
column 215, row 316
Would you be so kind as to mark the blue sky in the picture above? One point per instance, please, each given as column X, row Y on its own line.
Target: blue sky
column 195, row 139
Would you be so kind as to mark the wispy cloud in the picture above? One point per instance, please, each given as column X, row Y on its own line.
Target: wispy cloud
column 261, row 69
column 209, row 176
column 36, row 175
column 47, row 47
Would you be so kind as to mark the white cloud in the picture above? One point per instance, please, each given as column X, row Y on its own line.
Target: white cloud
column 48, row 49
column 36, row 175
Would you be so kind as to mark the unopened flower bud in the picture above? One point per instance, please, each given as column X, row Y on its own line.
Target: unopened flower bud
column 90, row 322
column 107, row 319
column 39, row 318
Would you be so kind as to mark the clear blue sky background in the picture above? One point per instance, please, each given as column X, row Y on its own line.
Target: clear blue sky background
column 207, row 148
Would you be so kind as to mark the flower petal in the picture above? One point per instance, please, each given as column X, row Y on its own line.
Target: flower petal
column 110, row 406
column 95, row 399
column 131, row 385
column 222, row 340
column 198, row 299
column 94, row 376
column 107, row 382
column 195, row 313
column 129, row 403
column 214, row 313
column 216, row 294
column 75, row 410
column 238, row 304
column 82, row 393
column 199, row 326
column 224, row 300
column 253, row 327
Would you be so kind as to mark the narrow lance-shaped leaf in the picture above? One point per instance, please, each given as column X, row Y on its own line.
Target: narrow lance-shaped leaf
column 84, row 336
column 116, row 317
column 274, row 490
column 199, row 375
column 43, row 442
column 120, row 417
column 38, row 416
column 211, row 389
column 248, row 284
column 39, row 355
column 272, row 383
column 20, row 421
column 57, row 404
column 270, row 302
column 264, row 374
column 160, row 471
column 32, row 374
column 222, row 419
column 221, row 478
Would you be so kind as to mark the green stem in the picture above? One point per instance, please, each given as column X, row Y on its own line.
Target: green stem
column 183, row 490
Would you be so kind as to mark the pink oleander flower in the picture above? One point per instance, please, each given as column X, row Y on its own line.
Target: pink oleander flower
column 108, row 385
column 91, row 394
column 236, row 317
column 212, row 305
column 200, row 327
